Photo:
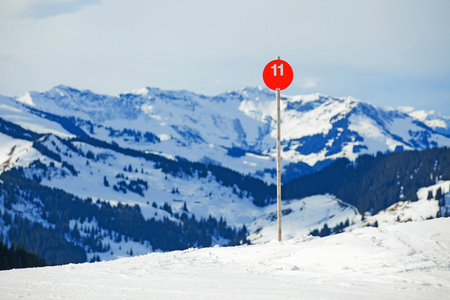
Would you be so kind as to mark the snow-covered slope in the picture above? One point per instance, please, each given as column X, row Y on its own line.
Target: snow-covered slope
column 404, row 211
column 235, row 129
column 20, row 114
column 12, row 149
column 432, row 119
column 301, row 216
column 406, row 261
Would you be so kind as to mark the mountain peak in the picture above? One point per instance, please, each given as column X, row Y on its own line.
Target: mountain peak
column 141, row 91
column 65, row 90
column 315, row 128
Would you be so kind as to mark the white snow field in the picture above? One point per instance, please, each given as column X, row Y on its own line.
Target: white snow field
column 404, row 261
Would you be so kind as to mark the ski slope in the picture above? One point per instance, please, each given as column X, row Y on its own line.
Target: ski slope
column 301, row 216
column 404, row 261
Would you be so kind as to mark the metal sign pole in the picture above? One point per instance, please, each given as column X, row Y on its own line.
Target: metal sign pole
column 278, row 75
column 278, row 165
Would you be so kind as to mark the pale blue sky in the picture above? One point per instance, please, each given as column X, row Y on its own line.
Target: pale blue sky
column 390, row 53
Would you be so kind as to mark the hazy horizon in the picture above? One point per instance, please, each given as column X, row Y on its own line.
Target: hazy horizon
column 386, row 53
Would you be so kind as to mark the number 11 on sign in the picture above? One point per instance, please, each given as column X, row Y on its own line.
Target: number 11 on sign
column 278, row 81
column 274, row 67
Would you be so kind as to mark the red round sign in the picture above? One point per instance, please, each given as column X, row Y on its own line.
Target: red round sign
column 278, row 74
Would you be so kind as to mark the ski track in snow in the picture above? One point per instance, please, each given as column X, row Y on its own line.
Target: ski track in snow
column 405, row 261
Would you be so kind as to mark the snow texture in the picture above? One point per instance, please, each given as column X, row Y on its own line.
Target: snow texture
column 405, row 261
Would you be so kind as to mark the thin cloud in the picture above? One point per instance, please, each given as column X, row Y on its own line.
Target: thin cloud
column 50, row 8
column 309, row 83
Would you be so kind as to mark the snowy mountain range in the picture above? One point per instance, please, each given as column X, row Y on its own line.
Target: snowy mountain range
column 176, row 156
column 235, row 129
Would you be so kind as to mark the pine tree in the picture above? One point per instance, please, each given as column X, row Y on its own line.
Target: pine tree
column 105, row 181
column 315, row 232
column 325, row 231
column 439, row 194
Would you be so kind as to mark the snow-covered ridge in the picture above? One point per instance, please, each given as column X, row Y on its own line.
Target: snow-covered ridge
column 236, row 129
column 406, row 261
column 431, row 118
